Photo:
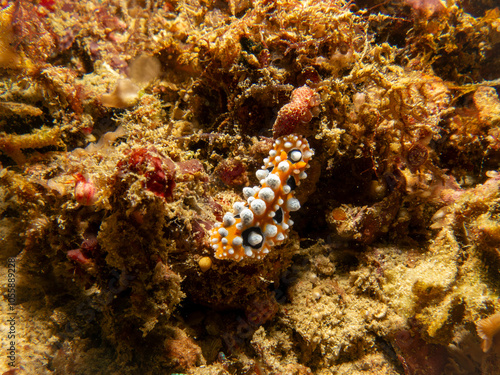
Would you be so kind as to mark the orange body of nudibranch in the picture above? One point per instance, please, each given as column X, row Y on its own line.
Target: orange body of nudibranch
column 263, row 220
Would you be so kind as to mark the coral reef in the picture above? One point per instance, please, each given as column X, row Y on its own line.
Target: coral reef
column 129, row 128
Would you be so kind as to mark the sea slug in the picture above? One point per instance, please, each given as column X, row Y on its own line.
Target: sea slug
column 263, row 221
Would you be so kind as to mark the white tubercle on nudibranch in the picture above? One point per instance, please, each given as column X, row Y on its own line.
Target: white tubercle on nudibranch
column 263, row 221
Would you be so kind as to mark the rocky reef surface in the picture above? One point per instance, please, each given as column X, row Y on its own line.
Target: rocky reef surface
column 129, row 128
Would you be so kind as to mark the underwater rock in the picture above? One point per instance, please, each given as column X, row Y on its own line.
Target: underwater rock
column 109, row 202
column 159, row 172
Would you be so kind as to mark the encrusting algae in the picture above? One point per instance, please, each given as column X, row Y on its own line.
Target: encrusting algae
column 364, row 137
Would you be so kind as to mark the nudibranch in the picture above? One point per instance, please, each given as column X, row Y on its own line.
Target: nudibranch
column 263, row 221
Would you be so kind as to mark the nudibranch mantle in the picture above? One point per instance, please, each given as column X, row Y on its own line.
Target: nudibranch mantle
column 263, row 221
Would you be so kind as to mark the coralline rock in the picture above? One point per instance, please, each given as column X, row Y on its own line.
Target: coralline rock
column 159, row 172
column 293, row 116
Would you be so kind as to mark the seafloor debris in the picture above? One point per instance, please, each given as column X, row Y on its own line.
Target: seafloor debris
column 128, row 128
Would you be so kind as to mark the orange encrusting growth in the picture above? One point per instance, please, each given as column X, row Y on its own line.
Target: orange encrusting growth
column 263, row 220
